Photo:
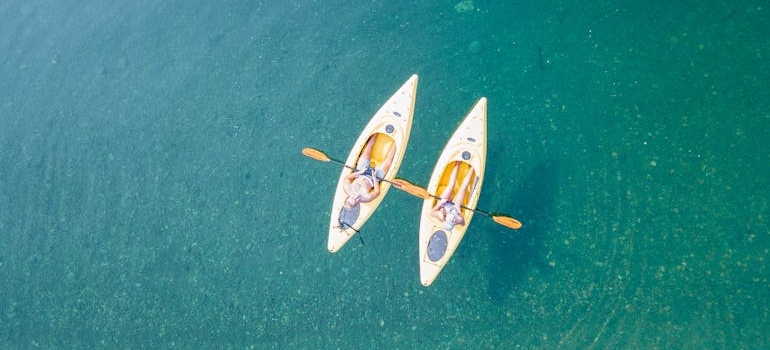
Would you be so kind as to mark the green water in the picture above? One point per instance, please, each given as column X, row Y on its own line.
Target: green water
column 153, row 194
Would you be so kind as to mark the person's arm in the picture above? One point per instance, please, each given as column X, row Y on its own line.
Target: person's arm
column 437, row 214
column 354, row 174
column 346, row 186
column 460, row 220
column 436, row 211
column 439, row 204
column 372, row 194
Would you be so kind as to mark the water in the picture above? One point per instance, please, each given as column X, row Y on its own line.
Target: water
column 152, row 192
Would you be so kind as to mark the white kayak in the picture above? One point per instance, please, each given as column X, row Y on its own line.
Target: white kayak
column 390, row 127
column 466, row 150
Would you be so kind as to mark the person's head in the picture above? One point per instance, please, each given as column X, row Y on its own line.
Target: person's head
column 451, row 217
column 352, row 200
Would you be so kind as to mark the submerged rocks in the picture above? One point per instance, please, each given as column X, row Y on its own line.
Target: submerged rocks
column 465, row 6
column 475, row 47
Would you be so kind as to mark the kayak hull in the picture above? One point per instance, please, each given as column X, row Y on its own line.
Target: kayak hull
column 468, row 146
column 392, row 124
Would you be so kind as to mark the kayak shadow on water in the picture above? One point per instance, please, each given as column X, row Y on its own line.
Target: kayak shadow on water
column 513, row 254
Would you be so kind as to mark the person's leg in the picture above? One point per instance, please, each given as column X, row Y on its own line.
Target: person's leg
column 368, row 148
column 366, row 155
column 447, row 193
column 460, row 196
column 383, row 168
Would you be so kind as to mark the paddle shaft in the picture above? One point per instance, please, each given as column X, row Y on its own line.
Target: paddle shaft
column 340, row 163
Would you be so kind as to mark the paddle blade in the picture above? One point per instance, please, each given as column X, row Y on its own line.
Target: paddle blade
column 405, row 186
column 507, row 221
column 315, row 154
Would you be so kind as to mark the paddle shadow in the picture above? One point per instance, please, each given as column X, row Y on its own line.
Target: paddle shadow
column 515, row 253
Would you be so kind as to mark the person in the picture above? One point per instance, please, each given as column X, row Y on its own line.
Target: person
column 363, row 184
column 450, row 212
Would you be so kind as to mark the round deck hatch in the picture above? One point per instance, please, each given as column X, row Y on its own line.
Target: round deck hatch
column 437, row 245
column 348, row 217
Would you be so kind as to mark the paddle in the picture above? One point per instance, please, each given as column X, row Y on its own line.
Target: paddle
column 415, row 190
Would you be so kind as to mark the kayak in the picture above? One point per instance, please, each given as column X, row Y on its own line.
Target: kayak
column 465, row 150
column 389, row 127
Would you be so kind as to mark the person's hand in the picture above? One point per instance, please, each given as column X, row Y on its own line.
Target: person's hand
column 354, row 174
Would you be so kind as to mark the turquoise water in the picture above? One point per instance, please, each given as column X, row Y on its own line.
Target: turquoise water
column 153, row 194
